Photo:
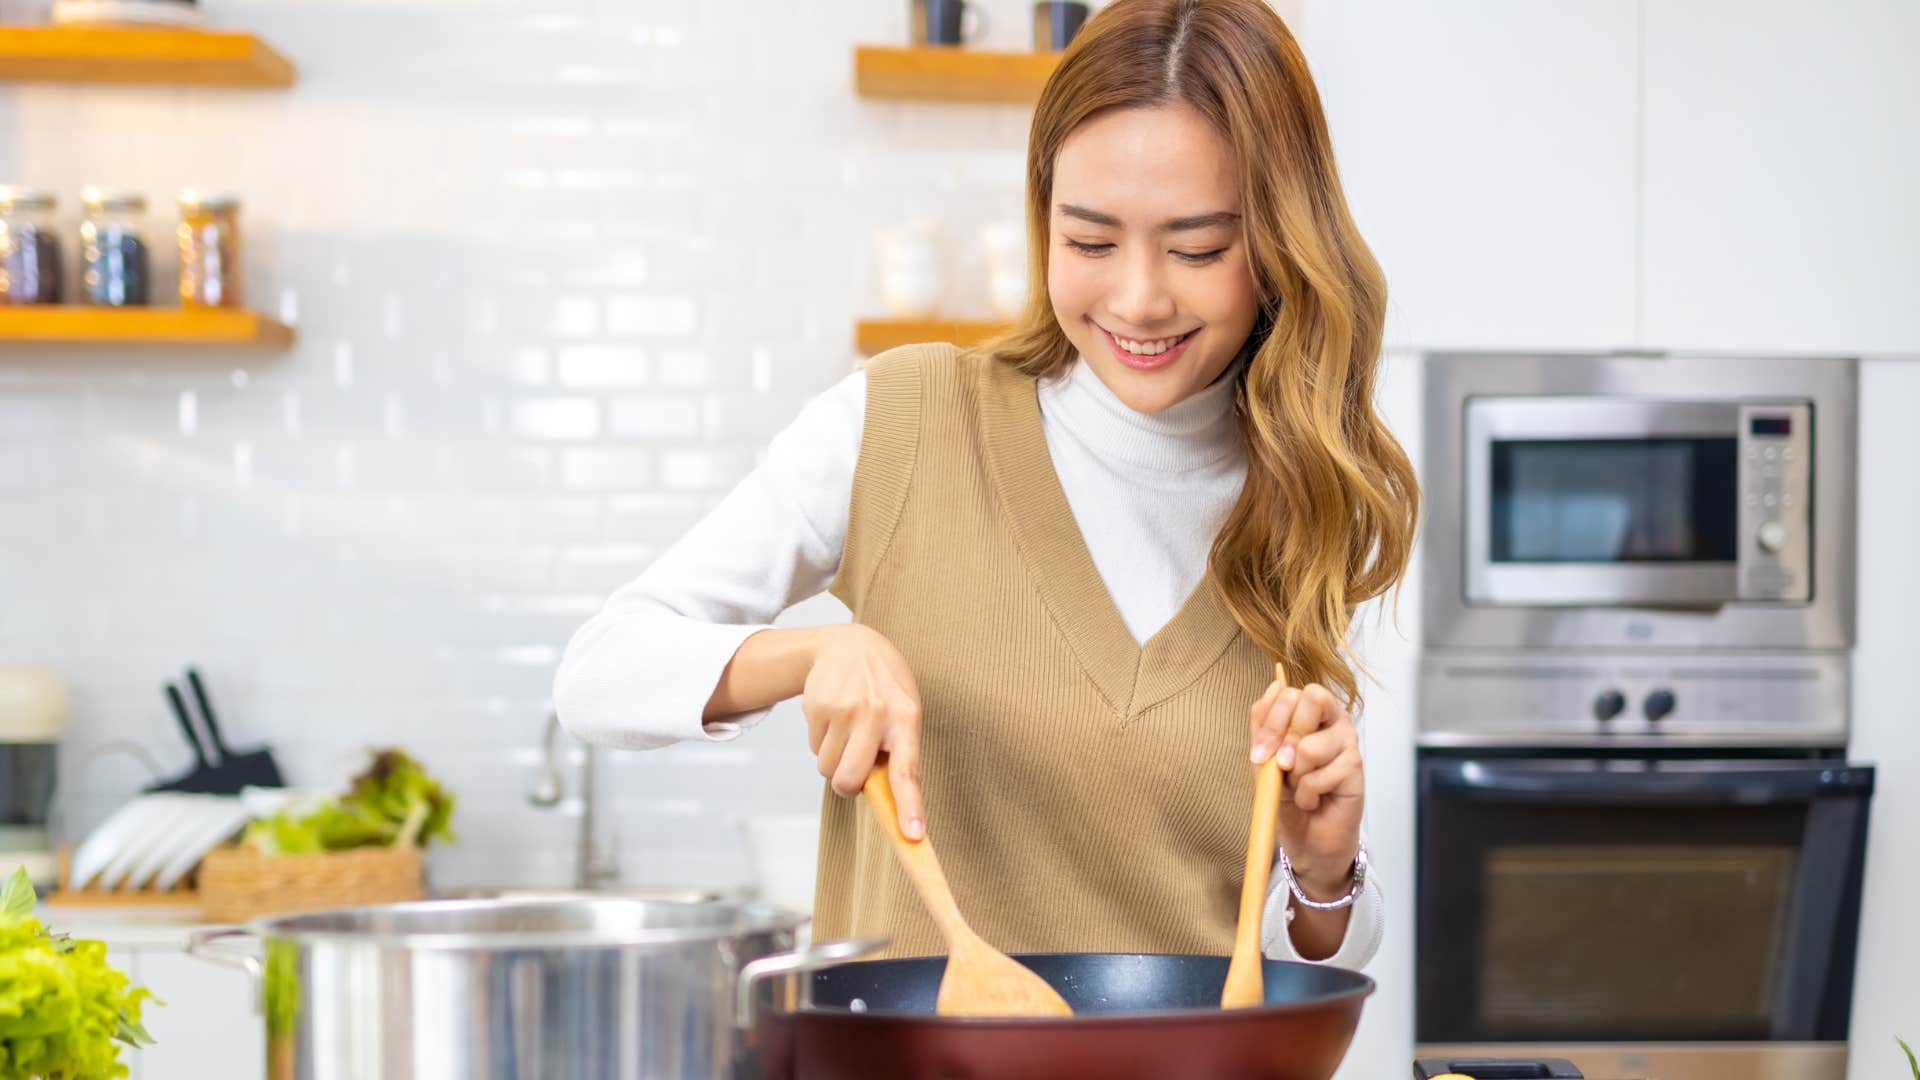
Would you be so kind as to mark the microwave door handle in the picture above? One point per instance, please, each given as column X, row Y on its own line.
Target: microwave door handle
column 1523, row 783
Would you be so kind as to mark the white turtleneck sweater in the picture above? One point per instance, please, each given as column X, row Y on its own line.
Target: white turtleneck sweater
column 1148, row 492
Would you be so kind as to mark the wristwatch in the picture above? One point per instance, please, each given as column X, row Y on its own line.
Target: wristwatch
column 1359, row 880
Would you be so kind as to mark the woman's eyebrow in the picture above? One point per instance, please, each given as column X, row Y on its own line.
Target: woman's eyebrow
column 1185, row 224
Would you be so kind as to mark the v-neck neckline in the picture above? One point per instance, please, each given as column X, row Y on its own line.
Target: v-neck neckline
column 1131, row 676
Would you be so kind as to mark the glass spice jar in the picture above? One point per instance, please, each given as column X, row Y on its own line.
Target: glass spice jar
column 209, row 250
column 29, row 247
column 113, row 250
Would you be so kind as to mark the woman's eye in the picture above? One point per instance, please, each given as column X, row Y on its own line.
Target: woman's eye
column 1191, row 258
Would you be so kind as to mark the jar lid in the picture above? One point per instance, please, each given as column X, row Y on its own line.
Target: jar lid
column 24, row 198
column 191, row 199
column 99, row 198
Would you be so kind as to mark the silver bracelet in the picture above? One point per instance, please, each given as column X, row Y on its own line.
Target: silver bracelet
column 1359, row 879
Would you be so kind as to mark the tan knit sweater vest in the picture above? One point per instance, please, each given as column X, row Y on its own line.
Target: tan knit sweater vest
column 1085, row 793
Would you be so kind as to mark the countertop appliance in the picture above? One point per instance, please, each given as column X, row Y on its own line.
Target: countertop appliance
column 1640, row 840
column 33, row 716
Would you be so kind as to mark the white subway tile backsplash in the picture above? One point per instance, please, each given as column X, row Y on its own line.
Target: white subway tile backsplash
column 24, row 523
column 574, row 317
column 557, row 280
column 554, row 418
column 607, row 469
column 690, row 367
column 654, row 419
column 556, row 520
column 16, row 465
column 477, row 466
column 602, row 367
column 653, row 316
column 25, row 416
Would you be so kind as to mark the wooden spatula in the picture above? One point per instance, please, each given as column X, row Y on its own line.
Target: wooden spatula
column 980, row 980
column 1245, row 986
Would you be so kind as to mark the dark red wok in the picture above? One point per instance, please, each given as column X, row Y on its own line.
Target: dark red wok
column 1149, row 1017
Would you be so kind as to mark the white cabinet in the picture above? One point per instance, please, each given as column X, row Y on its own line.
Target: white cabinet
column 208, row 1028
column 1489, row 153
column 1782, row 205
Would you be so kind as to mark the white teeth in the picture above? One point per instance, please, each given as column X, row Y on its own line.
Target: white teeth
column 1147, row 348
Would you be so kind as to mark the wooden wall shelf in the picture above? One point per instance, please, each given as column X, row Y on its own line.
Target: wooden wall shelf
column 167, row 57
column 74, row 324
column 930, row 73
column 873, row 336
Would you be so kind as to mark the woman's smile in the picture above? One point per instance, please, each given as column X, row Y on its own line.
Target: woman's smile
column 1147, row 354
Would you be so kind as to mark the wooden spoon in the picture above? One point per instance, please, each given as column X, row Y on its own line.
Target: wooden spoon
column 1245, row 985
column 980, row 980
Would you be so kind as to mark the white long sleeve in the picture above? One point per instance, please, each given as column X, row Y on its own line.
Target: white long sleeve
column 1147, row 492
column 640, row 672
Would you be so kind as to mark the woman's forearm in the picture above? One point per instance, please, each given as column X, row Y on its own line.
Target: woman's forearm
column 770, row 666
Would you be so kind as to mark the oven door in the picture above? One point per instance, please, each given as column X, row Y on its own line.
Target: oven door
column 1631, row 899
column 1613, row 502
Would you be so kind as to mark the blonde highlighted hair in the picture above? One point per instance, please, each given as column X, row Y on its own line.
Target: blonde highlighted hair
column 1327, row 516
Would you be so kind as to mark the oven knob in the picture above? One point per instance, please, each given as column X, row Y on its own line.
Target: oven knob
column 1609, row 704
column 1772, row 536
column 1658, row 705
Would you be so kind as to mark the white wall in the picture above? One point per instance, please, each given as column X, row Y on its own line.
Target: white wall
column 560, row 268
column 1886, row 723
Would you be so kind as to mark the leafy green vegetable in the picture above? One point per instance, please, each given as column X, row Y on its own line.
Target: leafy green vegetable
column 282, row 987
column 63, row 1009
column 1911, row 1063
column 392, row 802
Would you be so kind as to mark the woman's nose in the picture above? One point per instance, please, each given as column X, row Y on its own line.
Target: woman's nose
column 1140, row 299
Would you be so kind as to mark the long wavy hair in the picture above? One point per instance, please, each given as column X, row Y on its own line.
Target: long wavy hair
column 1327, row 516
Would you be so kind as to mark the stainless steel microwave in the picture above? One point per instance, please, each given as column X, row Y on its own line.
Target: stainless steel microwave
column 1632, row 501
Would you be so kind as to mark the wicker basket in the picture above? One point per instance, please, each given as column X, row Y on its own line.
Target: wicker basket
column 239, row 883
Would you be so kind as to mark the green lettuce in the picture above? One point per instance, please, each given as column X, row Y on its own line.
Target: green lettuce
column 64, row 1011
column 392, row 802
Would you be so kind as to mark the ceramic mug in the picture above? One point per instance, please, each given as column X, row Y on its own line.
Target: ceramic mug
column 909, row 260
column 1006, row 247
column 944, row 22
column 1055, row 22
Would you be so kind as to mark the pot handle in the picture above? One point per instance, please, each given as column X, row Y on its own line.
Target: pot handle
column 199, row 946
column 808, row 958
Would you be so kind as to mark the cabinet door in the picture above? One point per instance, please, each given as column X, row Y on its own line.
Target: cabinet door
column 1488, row 150
column 1783, row 176
column 208, row 1028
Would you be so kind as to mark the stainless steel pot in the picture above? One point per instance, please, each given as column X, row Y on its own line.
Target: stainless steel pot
column 574, row 988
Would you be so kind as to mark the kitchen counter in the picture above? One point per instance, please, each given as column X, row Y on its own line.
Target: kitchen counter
column 129, row 926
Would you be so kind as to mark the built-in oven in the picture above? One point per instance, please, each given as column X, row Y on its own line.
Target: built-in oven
column 1640, row 835
column 1641, row 915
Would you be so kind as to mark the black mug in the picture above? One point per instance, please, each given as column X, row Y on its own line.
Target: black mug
column 1055, row 22
column 944, row 22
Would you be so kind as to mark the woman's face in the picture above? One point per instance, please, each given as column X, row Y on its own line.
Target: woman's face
column 1147, row 270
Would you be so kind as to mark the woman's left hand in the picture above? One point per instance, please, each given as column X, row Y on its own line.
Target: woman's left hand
column 1323, row 786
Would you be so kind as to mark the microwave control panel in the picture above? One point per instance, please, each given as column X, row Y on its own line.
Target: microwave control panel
column 1776, row 521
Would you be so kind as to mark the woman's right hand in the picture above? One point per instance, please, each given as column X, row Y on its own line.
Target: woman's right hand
column 860, row 700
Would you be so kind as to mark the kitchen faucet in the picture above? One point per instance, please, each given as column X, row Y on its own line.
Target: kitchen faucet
column 596, row 865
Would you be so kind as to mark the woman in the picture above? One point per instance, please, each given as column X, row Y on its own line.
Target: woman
column 1073, row 554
